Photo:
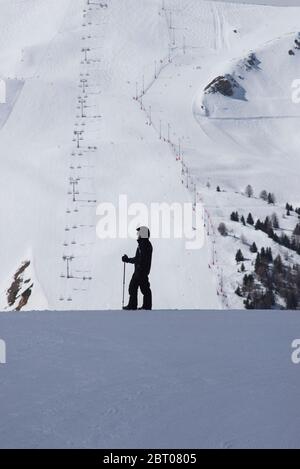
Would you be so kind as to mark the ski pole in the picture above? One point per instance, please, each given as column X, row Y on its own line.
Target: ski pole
column 124, row 275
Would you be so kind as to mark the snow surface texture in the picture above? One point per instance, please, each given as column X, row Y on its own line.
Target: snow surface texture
column 236, row 142
column 158, row 380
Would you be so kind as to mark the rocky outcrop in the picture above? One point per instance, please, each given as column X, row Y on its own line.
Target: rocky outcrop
column 296, row 45
column 20, row 289
column 222, row 84
column 226, row 85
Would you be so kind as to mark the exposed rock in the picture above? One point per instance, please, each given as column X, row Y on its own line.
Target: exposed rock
column 17, row 295
column 251, row 62
column 297, row 45
column 16, row 285
column 227, row 86
column 24, row 298
column 222, row 84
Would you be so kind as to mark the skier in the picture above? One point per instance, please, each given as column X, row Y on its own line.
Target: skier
column 142, row 266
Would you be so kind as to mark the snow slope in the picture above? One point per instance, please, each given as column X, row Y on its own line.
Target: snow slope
column 191, row 42
column 283, row 3
column 125, row 158
column 227, row 141
column 157, row 380
column 239, row 144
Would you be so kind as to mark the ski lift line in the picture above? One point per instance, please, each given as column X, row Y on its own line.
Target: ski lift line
column 157, row 72
column 88, row 89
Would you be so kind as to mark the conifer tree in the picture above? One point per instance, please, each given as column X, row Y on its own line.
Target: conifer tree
column 239, row 256
column 249, row 191
column 250, row 220
column 264, row 195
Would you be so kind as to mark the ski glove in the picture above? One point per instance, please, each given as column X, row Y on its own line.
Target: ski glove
column 125, row 258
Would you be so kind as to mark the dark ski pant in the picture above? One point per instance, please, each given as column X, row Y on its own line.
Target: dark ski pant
column 143, row 283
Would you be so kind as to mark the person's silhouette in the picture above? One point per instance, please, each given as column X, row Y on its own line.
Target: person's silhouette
column 142, row 267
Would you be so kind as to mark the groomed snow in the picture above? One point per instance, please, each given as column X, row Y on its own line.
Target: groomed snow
column 283, row 3
column 164, row 379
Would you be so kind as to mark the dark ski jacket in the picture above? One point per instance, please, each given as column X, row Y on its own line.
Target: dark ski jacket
column 143, row 257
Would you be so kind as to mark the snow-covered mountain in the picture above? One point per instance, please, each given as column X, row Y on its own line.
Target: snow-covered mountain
column 133, row 80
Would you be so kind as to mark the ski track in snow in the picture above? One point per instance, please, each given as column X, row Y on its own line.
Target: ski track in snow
column 218, row 24
column 252, row 118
